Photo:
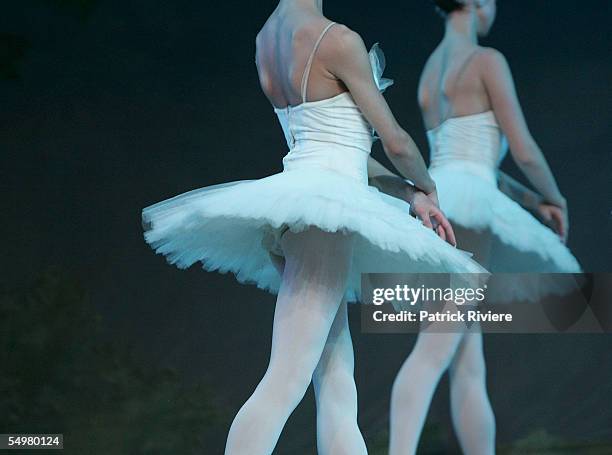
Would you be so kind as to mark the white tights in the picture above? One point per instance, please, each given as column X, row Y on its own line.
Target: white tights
column 310, row 341
column 417, row 380
column 336, row 395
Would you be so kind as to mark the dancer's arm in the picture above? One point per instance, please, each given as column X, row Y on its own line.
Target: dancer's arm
column 527, row 154
column 421, row 206
column 350, row 63
column 388, row 182
column 550, row 215
column 518, row 192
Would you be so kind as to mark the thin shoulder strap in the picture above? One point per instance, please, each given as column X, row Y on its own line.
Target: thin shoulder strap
column 306, row 74
column 462, row 70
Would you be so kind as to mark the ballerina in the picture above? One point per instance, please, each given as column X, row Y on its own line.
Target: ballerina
column 469, row 106
column 309, row 232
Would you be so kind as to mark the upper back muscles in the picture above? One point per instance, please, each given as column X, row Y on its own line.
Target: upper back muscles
column 451, row 85
column 284, row 46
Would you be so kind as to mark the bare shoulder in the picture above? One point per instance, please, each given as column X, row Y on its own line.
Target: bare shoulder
column 259, row 39
column 423, row 94
column 431, row 66
column 342, row 43
column 262, row 36
column 264, row 30
column 491, row 60
column 345, row 35
column 428, row 78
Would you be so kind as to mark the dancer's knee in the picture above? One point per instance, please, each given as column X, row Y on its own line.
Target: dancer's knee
column 286, row 385
column 470, row 367
column 471, row 370
column 338, row 388
column 294, row 386
column 431, row 356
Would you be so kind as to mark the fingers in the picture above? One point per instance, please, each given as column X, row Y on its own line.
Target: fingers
column 546, row 215
column 441, row 233
column 450, row 235
column 560, row 224
column 555, row 221
column 555, row 218
column 564, row 228
column 444, row 224
column 435, row 220
column 425, row 219
column 450, row 232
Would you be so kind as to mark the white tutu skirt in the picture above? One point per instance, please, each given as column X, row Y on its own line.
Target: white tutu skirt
column 517, row 242
column 233, row 227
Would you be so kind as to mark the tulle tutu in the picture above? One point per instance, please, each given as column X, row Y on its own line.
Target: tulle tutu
column 232, row 227
column 466, row 153
column 519, row 243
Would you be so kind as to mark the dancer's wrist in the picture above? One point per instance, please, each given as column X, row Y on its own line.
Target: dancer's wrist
column 532, row 200
column 558, row 201
column 429, row 187
column 433, row 196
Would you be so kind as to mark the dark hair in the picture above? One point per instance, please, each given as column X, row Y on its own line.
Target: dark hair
column 448, row 6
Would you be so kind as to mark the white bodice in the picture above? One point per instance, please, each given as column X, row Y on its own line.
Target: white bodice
column 331, row 133
column 470, row 142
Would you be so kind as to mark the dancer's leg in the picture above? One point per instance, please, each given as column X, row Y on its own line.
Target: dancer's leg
column 414, row 387
column 335, row 391
column 314, row 279
column 471, row 410
column 336, row 394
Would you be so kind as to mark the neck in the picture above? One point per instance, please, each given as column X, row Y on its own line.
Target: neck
column 462, row 26
column 316, row 5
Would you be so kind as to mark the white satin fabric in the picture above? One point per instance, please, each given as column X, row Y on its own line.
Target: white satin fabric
column 472, row 143
column 329, row 134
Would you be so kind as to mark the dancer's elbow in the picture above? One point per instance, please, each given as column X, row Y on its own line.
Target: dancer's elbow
column 527, row 154
column 399, row 144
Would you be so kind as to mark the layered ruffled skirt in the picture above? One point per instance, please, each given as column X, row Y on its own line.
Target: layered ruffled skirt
column 522, row 252
column 233, row 227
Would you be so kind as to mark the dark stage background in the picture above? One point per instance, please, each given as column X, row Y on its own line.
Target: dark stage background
column 109, row 106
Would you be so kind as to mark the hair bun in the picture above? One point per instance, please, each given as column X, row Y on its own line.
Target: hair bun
column 448, row 6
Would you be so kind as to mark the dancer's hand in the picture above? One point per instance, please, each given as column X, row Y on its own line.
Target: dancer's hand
column 556, row 218
column 422, row 206
column 434, row 198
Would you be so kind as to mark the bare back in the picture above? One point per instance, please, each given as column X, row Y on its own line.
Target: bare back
column 451, row 84
column 340, row 64
column 283, row 48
